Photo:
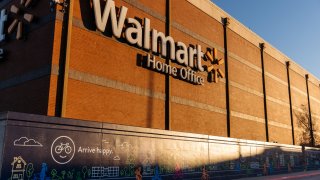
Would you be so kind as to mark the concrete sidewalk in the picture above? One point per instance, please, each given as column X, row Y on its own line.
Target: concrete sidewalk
column 297, row 175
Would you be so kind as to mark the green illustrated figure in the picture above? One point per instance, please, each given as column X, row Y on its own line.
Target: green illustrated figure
column 63, row 173
column 29, row 170
column 131, row 163
column 78, row 176
column 54, row 175
column 70, row 174
column 86, row 172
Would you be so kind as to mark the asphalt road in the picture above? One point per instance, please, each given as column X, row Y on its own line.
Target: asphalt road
column 308, row 175
column 311, row 178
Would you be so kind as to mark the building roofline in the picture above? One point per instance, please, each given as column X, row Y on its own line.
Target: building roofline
column 217, row 13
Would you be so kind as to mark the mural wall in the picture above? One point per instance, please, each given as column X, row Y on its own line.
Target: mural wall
column 51, row 148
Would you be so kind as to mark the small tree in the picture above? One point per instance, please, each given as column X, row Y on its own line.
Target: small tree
column 29, row 170
column 303, row 121
column 84, row 171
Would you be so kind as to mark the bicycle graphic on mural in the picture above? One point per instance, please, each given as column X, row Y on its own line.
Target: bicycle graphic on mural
column 62, row 149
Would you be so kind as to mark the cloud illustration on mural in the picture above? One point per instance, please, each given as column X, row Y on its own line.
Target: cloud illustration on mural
column 24, row 141
column 116, row 158
column 105, row 141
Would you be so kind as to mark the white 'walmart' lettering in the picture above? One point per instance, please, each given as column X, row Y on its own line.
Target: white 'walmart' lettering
column 3, row 18
column 140, row 35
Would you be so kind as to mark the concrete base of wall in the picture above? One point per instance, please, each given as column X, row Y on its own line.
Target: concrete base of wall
column 40, row 147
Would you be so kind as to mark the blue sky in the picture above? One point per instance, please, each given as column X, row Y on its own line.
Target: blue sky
column 292, row 26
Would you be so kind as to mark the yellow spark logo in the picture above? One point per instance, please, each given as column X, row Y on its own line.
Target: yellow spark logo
column 214, row 71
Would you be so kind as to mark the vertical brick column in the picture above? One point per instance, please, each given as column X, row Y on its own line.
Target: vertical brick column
column 226, row 22
column 290, row 101
column 167, row 76
column 309, row 108
column 63, row 77
column 262, row 47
